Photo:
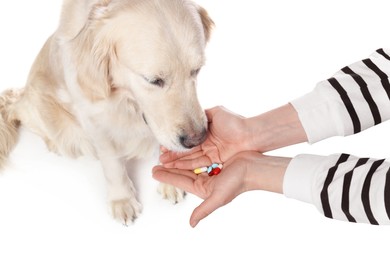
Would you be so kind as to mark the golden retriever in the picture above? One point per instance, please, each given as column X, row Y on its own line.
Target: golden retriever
column 115, row 80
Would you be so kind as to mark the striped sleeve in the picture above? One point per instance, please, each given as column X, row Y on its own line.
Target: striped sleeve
column 342, row 186
column 354, row 99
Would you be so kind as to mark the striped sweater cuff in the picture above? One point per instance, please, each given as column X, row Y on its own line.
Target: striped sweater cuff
column 300, row 175
column 321, row 114
column 354, row 99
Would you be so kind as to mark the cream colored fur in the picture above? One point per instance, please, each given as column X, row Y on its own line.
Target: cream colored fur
column 116, row 79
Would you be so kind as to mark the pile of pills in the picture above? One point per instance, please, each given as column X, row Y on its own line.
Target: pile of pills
column 214, row 169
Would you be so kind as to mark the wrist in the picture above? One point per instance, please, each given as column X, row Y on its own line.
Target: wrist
column 266, row 173
column 274, row 129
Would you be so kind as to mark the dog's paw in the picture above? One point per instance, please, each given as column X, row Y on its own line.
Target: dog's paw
column 125, row 210
column 171, row 193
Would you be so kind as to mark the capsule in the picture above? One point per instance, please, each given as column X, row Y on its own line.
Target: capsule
column 200, row 170
column 215, row 171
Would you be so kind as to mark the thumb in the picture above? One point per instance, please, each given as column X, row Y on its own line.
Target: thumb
column 212, row 111
column 207, row 207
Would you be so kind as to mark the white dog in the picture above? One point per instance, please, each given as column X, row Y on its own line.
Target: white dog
column 117, row 78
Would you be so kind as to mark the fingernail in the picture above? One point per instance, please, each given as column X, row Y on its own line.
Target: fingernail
column 193, row 223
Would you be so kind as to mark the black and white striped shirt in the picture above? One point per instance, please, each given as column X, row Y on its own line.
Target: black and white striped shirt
column 343, row 186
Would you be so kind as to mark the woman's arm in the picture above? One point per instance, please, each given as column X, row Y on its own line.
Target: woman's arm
column 342, row 186
column 354, row 99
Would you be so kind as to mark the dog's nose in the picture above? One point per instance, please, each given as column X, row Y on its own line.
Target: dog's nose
column 191, row 140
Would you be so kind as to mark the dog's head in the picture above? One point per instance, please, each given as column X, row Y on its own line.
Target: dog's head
column 154, row 49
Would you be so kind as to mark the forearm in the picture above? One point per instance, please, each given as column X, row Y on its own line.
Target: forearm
column 354, row 99
column 275, row 129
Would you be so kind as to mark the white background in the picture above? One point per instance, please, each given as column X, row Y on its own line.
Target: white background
column 262, row 54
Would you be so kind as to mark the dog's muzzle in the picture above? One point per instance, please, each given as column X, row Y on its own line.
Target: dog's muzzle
column 189, row 141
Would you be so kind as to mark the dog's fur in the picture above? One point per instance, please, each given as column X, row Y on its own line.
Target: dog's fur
column 117, row 78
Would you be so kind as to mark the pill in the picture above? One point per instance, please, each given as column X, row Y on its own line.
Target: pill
column 200, row 170
column 215, row 171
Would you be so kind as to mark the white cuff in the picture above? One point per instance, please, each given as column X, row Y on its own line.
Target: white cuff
column 321, row 114
column 299, row 177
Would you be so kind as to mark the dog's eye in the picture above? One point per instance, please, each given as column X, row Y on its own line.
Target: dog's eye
column 156, row 81
column 195, row 73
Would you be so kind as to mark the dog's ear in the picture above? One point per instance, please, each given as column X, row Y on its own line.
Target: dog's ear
column 76, row 14
column 99, row 10
column 91, row 55
column 207, row 22
column 93, row 69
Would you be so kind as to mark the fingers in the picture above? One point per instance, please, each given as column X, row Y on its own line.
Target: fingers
column 207, row 207
column 182, row 179
column 189, row 164
column 169, row 156
column 190, row 160
column 190, row 182
column 212, row 111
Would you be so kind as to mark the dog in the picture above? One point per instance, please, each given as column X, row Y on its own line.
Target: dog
column 115, row 80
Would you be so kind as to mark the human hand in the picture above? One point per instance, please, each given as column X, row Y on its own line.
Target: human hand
column 243, row 172
column 226, row 137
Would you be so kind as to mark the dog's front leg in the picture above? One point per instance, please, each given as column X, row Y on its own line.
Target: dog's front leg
column 121, row 192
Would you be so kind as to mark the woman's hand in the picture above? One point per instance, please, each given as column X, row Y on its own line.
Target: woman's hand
column 229, row 134
column 243, row 172
column 226, row 137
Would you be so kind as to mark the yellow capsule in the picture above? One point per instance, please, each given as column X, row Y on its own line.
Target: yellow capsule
column 200, row 170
